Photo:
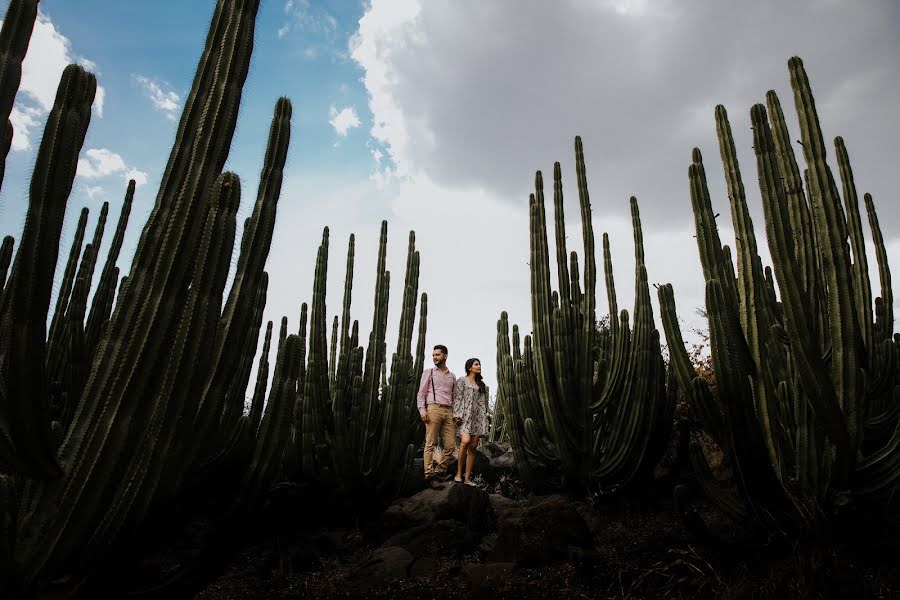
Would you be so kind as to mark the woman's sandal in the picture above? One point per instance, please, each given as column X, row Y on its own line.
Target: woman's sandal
column 471, row 483
column 455, row 480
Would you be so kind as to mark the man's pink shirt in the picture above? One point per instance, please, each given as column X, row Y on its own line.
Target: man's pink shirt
column 444, row 383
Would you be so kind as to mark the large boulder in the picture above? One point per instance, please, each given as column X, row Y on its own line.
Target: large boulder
column 440, row 538
column 387, row 563
column 465, row 504
column 545, row 533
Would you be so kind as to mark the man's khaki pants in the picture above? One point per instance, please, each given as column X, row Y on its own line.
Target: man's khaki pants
column 440, row 422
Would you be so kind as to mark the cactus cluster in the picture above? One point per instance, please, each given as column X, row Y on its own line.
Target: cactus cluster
column 807, row 400
column 133, row 401
column 352, row 431
column 582, row 411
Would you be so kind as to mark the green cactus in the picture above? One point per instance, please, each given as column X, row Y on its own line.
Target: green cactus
column 806, row 384
column 353, row 433
column 601, row 431
column 167, row 356
column 14, row 37
column 102, row 303
column 25, row 442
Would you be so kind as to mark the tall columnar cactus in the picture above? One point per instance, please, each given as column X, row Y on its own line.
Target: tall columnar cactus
column 352, row 431
column 169, row 362
column 102, row 303
column 808, row 384
column 14, row 37
column 25, row 442
column 602, row 430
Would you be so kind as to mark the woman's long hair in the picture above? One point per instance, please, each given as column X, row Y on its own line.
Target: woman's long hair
column 478, row 379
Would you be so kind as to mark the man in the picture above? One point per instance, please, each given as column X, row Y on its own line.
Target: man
column 435, row 403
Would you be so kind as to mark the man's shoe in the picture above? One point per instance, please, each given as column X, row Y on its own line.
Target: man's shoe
column 444, row 476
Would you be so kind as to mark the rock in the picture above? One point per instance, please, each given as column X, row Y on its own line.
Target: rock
column 389, row 562
column 504, row 508
column 487, row 545
column 415, row 478
column 495, row 449
column 542, row 534
column 442, row 538
column 405, row 513
column 504, row 462
column 469, row 505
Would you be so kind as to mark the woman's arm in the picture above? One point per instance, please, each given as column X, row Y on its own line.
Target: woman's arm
column 457, row 399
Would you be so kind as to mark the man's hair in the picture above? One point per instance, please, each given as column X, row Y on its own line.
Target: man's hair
column 442, row 348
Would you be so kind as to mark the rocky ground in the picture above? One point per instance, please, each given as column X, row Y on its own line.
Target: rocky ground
column 450, row 540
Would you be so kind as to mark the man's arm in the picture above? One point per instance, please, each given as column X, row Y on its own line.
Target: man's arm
column 422, row 396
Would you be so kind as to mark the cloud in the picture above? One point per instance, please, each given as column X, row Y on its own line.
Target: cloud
column 343, row 120
column 49, row 52
column 166, row 101
column 318, row 27
column 93, row 191
column 98, row 163
column 469, row 100
column 637, row 79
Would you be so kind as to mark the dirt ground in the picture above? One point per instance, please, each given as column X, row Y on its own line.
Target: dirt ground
column 642, row 553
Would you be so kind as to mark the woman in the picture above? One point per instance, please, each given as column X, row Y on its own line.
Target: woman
column 470, row 413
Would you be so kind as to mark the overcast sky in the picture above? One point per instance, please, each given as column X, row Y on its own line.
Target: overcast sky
column 435, row 115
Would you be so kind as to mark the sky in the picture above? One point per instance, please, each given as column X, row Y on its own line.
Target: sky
column 435, row 116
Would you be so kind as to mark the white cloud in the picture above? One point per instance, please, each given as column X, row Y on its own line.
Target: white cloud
column 343, row 120
column 520, row 79
column 93, row 191
column 163, row 98
column 140, row 178
column 469, row 99
column 309, row 20
column 102, row 162
column 49, row 52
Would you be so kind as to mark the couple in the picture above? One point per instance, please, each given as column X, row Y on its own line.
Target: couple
column 444, row 402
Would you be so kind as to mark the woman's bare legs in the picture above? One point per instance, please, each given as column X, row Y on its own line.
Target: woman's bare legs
column 471, row 447
column 462, row 456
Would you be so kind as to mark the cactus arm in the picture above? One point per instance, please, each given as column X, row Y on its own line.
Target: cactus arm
column 884, row 273
column 262, row 380
column 68, row 280
column 14, row 37
column 23, row 326
column 860, row 267
column 788, row 271
column 754, row 319
column 832, row 236
column 102, row 303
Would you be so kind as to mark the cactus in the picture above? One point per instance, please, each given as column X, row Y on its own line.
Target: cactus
column 807, row 385
column 353, row 433
column 168, row 356
column 25, row 442
column 604, row 431
column 14, row 37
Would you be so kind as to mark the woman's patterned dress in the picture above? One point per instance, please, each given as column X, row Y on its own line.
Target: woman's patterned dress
column 470, row 405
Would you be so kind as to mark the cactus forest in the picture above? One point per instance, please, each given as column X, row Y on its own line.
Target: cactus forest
column 122, row 408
